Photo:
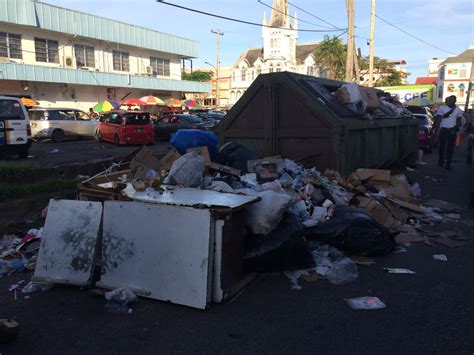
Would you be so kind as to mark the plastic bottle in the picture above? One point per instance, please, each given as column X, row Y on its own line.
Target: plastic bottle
column 112, row 307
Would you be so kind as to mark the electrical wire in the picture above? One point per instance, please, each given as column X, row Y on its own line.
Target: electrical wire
column 293, row 17
column 409, row 34
column 316, row 17
column 238, row 20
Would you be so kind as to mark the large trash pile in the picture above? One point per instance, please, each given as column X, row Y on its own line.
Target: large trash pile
column 300, row 209
column 295, row 219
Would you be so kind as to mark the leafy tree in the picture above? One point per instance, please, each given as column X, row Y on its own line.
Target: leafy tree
column 197, row 75
column 331, row 54
column 392, row 77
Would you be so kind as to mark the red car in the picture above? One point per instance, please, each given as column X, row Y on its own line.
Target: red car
column 126, row 127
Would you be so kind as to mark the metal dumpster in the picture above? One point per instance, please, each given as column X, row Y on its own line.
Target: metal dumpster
column 298, row 117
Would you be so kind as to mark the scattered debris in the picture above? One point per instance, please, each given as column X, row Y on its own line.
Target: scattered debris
column 9, row 330
column 440, row 257
column 54, row 151
column 396, row 270
column 294, row 276
column 362, row 260
column 365, row 303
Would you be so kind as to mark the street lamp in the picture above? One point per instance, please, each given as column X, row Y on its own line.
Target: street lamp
column 217, row 83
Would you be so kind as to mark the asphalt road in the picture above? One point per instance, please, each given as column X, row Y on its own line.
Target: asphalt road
column 48, row 153
column 430, row 312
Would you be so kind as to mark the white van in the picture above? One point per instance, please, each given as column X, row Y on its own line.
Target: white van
column 15, row 129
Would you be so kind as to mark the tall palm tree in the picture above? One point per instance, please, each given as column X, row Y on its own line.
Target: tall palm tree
column 331, row 54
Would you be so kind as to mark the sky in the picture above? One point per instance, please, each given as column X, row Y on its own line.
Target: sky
column 447, row 24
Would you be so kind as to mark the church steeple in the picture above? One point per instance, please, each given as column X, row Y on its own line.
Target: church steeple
column 264, row 22
column 279, row 17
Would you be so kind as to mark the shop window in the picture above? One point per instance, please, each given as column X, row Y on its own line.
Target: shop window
column 46, row 50
column 121, row 61
column 10, row 45
column 84, row 56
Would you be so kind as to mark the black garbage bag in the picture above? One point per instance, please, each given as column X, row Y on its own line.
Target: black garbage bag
column 236, row 156
column 281, row 250
column 353, row 231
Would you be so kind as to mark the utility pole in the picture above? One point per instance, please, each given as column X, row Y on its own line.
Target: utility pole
column 350, row 41
column 356, row 65
column 218, row 34
column 371, row 54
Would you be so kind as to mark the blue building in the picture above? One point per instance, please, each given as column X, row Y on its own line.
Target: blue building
column 67, row 58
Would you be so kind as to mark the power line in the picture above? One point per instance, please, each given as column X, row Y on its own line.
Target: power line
column 413, row 36
column 293, row 17
column 309, row 13
column 238, row 20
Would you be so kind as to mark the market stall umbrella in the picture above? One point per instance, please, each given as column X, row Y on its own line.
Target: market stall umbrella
column 134, row 102
column 192, row 105
column 152, row 100
column 29, row 102
column 105, row 106
column 173, row 103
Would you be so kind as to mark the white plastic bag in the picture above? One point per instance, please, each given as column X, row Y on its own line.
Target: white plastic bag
column 264, row 216
column 121, row 296
column 187, row 170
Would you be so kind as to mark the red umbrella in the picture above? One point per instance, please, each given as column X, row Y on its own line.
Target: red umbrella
column 133, row 102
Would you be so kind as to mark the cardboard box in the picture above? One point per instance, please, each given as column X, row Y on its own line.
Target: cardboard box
column 169, row 159
column 374, row 175
column 202, row 151
column 142, row 162
column 266, row 169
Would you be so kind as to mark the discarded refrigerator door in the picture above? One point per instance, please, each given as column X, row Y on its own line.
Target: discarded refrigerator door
column 158, row 254
column 69, row 242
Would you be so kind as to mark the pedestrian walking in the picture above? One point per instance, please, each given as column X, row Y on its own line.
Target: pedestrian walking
column 450, row 119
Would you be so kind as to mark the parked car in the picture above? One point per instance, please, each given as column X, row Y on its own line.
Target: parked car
column 212, row 115
column 168, row 124
column 421, row 110
column 126, row 127
column 15, row 129
column 60, row 123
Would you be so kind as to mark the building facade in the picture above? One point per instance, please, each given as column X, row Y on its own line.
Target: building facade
column 280, row 52
column 398, row 65
column 67, row 58
column 210, row 99
column 454, row 75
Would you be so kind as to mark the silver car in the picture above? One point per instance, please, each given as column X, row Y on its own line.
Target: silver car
column 59, row 123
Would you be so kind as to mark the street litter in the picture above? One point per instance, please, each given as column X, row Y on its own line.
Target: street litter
column 54, row 151
column 399, row 249
column 31, row 287
column 243, row 213
column 396, row 270
column 294, row 276
column 440, row 257
column 119, row 299
column 365, row 303
column 9, row 329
